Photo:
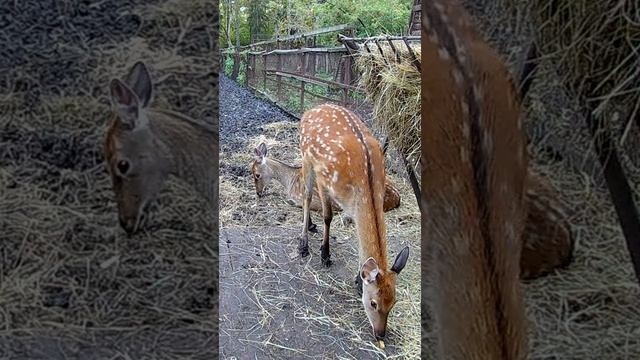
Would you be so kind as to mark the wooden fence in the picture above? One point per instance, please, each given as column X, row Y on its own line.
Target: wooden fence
column 297, row 74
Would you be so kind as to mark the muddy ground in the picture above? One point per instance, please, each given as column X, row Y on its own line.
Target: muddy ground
column 72, row 284
column 272, row 303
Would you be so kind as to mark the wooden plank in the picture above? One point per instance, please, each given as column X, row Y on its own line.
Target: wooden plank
column 316, row 81
column 338, row 49
column 342, row 38
column 320, row 31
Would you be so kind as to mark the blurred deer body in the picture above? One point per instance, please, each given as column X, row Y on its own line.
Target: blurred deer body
column 474, row 172
column 143, row 146
column 342, row 157
column 265, row 168
column 548, row 241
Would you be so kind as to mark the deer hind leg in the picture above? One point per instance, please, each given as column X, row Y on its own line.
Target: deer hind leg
column 308, row 176
column 327, row 215
column 312, row 227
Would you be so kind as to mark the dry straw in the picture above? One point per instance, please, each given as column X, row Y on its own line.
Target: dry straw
column 594, row 46
column 393, row 87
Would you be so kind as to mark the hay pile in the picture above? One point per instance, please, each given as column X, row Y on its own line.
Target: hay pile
column 594, row 44
column 594, row 48
column 72, row 284
column 393, row 87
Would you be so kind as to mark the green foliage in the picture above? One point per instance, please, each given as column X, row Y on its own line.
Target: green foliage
column 261, row 19
column 371, row 17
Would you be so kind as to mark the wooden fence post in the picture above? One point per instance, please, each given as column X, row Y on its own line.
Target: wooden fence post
column 346, row 79
column 264, row 72
column 278, row 68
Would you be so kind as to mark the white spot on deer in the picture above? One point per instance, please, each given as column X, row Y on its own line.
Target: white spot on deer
column 465, row 108
column 464, row 156
column 433, row 38
column 488, row 142
column 455, row 185
column 466, row 130
column 457, row 76
column 477, row 92
column 443, row 54
column 334, row 178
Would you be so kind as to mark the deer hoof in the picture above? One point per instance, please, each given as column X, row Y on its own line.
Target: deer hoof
column 303, row 250
column 326, row 258
column 313, row 228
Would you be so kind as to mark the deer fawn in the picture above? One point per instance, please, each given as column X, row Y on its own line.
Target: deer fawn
column 474, row 172
column 346, row 162
column 143, row 146
column 264, row 169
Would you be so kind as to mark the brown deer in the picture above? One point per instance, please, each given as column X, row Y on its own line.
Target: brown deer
column 473, row 189
column 143, row 146
column 548, row 241
column 265, row 168
column 342, row 157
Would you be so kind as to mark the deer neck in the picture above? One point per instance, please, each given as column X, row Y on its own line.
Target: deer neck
column 368, row 218
column 189, row 149
column 287, row 175
column 473, row 213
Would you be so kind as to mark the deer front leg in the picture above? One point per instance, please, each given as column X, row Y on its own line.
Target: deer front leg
column 308, row 176
column 327, row 214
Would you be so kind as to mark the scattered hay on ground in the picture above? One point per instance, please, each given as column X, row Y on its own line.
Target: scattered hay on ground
column 298, row 308
column 72, row 284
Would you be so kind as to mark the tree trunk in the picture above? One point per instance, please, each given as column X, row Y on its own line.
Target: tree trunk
column 236, row 55
column 228, row 23
column 236, row 65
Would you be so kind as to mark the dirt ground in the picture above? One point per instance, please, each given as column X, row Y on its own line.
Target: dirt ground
column 274, row 304
column 72, row 284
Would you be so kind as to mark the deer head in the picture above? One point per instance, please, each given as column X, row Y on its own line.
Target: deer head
column 135, row 159
column 260, row 171
column 379, row 291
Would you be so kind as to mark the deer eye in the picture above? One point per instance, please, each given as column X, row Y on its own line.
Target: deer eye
column 123, row 166
column 374, row 304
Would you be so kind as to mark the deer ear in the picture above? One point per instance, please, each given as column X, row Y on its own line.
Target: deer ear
column 139, row 80
column 263, row 149
column 369, row 271
column 260, row 152
column 126, row 103
column 400, row 261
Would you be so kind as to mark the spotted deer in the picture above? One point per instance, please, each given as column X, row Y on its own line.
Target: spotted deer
column 264, row 169
column 473, row 189
column 342, row 157
column 144, row 145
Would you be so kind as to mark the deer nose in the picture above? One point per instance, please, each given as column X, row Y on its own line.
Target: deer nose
column 381, row 334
